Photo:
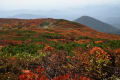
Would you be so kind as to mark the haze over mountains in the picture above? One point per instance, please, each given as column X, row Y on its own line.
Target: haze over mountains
column 101, row 12
column 115, row 21
column 27, row 16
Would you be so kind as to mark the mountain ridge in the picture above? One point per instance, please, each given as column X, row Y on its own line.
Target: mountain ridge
column 65, row 27
column 97, row 24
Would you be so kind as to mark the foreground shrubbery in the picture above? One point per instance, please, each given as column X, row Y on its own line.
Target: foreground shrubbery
column 51, row 56
column 55, row 65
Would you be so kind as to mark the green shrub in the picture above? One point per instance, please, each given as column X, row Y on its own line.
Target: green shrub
column 25, row 35
column 102, row 45
column 109, row 44
column 20, row 32
column 44, row 24
column 20, row 38
column 97, row 66
column 3, row 32
column 30, row 48
column 106, row 44
column 113, row 44
column 68, row 47
column 51, row 36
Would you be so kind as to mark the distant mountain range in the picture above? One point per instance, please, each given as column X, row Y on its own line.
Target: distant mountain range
column 97, row 25
column 115, row 21
column 27, row 16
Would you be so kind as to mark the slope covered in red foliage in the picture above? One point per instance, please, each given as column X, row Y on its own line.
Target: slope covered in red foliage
column 56, row 49
column 57, row 25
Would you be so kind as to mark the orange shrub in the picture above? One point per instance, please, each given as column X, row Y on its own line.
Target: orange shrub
column 97, row 42
column 48, row 48
column 100, row 53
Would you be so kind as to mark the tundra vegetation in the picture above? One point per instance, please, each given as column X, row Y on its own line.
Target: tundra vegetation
column 69, row 51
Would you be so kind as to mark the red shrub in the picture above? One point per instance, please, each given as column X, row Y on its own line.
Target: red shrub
column 10, row 42
column 27, row 76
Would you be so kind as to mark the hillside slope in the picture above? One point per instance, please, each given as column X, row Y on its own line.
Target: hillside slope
column 56, row 49
column 60, row 25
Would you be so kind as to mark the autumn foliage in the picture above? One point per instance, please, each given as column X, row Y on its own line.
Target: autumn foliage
column 40, row 75
column 100, row 53
column 56, row 49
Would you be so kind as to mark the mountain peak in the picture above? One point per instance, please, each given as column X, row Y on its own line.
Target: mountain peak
column 96, row 24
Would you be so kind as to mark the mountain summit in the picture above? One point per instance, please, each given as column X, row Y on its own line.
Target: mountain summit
column 97, row 24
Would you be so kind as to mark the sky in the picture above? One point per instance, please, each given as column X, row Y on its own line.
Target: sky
column 52, row 4
column 64, row 9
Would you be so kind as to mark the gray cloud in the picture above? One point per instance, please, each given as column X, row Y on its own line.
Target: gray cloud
column 51, row 4
column 67, row 9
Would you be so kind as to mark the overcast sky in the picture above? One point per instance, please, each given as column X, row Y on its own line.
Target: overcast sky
column 52, row 4
column 65, row 9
